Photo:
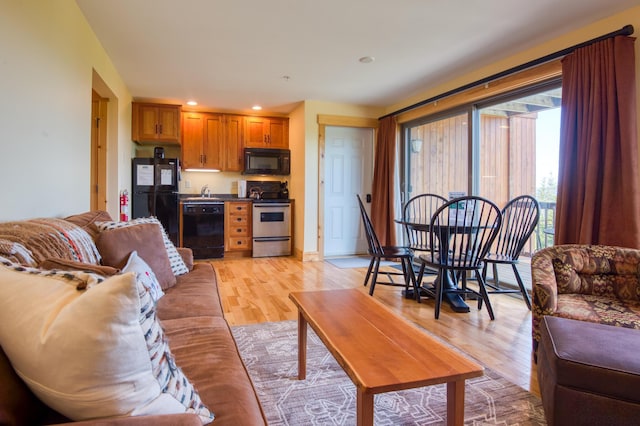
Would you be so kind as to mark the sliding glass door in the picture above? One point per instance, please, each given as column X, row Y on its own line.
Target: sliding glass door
column 498, row 149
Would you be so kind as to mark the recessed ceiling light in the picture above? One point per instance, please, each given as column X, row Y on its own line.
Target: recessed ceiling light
column 256, row 107
column 192, row 103
column 367, row 59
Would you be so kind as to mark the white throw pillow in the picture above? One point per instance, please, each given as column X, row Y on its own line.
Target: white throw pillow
column 178, row 267
column 95, row 353
column 144, row 274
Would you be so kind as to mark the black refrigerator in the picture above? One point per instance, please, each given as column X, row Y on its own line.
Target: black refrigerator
column 155, row 192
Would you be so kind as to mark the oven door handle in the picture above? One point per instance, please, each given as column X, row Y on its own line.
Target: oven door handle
column 259, row 239
column 272, row 205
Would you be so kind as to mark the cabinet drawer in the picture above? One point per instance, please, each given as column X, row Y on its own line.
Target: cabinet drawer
column 239, row 243
column 238, row 220
column 241, row 230
column 239, row 208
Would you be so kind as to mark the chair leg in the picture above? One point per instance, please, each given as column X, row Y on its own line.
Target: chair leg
column 410, row 277
column 375, row 275
column 496, row 279
column 366, row 278
column 525, row 294
column 439, row 291
column 485, row 296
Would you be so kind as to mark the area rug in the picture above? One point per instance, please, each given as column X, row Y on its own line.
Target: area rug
column 356, row 262
column 327, row 396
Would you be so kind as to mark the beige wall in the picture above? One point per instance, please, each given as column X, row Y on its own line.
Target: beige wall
column 48, row 55
column 309, row 193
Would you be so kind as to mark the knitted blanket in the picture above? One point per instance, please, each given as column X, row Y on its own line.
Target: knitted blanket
column 30, row 242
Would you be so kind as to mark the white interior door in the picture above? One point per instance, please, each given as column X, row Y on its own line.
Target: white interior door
column 348, row 171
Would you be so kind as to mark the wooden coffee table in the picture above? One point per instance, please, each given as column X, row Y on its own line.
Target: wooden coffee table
column 378, row 350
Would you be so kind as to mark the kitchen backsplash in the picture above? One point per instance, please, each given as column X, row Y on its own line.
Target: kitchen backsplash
column 218, row 183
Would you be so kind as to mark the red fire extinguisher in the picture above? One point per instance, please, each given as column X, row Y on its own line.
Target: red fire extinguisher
column 124, row 206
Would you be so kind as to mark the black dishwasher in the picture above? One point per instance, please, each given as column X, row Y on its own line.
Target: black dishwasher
column 203, row 228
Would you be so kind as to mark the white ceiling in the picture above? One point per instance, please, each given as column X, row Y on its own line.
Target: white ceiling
column 232, row 54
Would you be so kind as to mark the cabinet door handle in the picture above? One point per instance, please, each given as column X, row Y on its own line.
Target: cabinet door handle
column 160, row 126
column 155, row 129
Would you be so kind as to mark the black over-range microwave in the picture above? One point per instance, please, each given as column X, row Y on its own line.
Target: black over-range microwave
column 267, row 161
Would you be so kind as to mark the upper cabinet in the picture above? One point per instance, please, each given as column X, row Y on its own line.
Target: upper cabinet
column 212, row 141
column 153, row 123
column 266, row 132
column 202, row 140
column 233, row 147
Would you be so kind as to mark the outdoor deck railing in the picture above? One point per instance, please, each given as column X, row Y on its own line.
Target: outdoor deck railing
column 543, row 234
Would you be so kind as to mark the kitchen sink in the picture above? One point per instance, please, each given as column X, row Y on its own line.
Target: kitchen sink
column 202, row 199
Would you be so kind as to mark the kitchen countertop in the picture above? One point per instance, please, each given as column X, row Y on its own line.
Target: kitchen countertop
column 196, row 198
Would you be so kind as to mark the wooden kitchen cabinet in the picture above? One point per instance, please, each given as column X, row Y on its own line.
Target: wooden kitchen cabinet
column 212, row 141
column 202, row 140
column 266, row 132
column 233, row 146
column 154, row 123
column 237, row 227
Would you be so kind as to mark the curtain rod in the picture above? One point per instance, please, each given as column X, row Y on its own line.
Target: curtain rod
column 625, row 31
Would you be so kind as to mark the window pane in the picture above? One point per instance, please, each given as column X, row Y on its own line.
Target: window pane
column 519, row 140
column 438, row 156
column 518, row 155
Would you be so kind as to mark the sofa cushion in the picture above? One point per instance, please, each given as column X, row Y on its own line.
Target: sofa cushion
column 204, row 347
column 600, row 309
column 144, row 275
column 178, row 266
column 116, row 245
column 195, row 294
column 94, row 353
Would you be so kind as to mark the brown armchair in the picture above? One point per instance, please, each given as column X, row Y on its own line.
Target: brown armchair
column 590, row 283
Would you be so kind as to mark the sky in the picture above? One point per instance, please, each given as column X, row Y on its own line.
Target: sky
column 547, row 144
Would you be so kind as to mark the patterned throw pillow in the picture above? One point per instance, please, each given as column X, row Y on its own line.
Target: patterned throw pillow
column 91, row 354
column 178, row 266
column 144, row 275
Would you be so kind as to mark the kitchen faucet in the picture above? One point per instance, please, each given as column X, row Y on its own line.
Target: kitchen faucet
column 205, row 192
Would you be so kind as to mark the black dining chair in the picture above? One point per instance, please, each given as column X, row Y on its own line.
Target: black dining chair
column 415, row 215
column 519, row 219
column 461, row 233
column 379, row 252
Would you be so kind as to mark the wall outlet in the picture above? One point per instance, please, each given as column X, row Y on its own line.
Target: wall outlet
column 187, row 184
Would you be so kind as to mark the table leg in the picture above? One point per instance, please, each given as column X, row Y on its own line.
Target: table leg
column 455, row 403
column 302, row 346
column 364, row 408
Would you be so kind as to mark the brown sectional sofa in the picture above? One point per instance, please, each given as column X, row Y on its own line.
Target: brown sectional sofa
column 200, row 339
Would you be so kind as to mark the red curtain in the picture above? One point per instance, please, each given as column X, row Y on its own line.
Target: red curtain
column 382, row 202
column 598, row 198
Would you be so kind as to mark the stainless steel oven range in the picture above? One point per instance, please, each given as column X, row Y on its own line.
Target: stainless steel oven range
column 271, row 228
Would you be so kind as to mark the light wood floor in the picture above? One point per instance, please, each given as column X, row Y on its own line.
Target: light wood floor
column 256, row 290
